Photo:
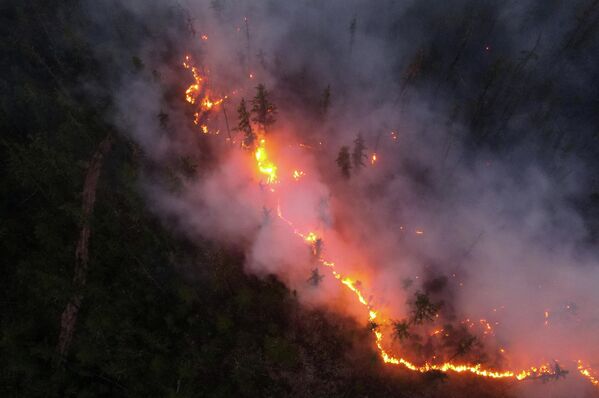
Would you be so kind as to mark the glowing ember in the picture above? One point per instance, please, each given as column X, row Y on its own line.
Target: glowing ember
column 586, row 372
column 311, row 237
column 373, row 159
column 297, row 174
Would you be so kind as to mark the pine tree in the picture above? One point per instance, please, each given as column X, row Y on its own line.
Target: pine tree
column 358, row 154
column 263, row 110
column 244, row 125
column 344, row 161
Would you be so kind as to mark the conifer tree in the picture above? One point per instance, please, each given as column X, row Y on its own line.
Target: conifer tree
column 244, row 125
column 263, row 110
column 344, row 161
column 358, row 154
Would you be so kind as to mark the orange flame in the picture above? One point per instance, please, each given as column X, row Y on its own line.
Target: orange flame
column 265, row 165
column 195, row 90
column 586, row 372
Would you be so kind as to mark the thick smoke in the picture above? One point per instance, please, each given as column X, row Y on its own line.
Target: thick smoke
column 479, row 192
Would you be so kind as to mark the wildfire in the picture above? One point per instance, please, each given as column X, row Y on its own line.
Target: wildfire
column 268, row 168
column 477, row 369
column 265, row 165
column 199, row 88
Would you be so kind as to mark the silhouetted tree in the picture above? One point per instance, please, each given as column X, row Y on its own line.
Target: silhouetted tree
column 263, row 110
column 358, row 154
column 372, row 325
column 401, row 329
column 344, row 161
column 244, row 125
column 423, row 309
column 465, row 345
column 315, row 277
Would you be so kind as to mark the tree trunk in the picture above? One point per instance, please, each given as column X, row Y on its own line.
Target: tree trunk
column 68, row 318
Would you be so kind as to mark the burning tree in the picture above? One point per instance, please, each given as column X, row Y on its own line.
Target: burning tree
column 344, row 161
column 244, row 125
column 263, row 109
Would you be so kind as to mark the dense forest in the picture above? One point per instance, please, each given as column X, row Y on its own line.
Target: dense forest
column 101, row 297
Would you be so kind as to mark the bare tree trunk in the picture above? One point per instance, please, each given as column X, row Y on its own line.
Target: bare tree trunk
column 68, row 318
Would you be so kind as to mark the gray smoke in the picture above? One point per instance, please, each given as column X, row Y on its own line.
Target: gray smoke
column 483, row 119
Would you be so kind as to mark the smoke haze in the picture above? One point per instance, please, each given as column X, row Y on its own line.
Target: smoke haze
column 478, row 196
